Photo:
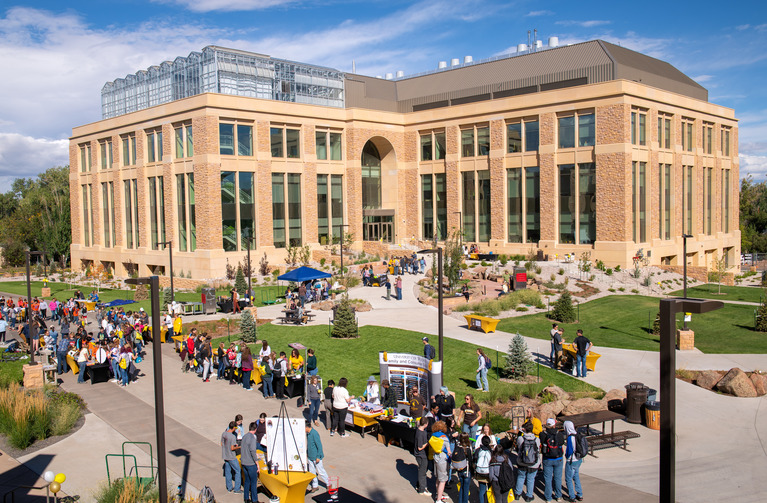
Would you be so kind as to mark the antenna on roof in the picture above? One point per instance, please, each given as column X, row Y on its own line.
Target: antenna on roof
column 535, row 40
column 354, row 67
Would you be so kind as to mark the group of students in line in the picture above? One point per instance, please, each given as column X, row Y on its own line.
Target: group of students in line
column 499, row 464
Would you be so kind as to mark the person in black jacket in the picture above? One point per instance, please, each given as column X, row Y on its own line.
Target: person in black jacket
column 498, row 459
column 446, row 403
column 552, row 442
column 389, row 396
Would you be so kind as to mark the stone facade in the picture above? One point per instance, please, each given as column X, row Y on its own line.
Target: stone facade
column 397, row 138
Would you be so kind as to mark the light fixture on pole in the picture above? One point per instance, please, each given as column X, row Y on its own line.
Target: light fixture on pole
column 668, row 310
column 684, row 279
column 31, row 326
column 249, row 240
column 169, row 244
column 159, row 405
column 440, row 327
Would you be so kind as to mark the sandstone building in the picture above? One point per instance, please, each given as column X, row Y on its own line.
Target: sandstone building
column 589, row 147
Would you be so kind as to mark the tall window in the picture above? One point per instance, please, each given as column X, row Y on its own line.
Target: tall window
column 154, row 146
column 708, row 175
column 433, row 146
column 129, row 149
column 688, row 135
column 725, row 200
column 192, row 221
column 587, row 209
column 156, row 211
column 247, row 208
column 106, row 220
column 237, row 209
column 687, row 194
column 434, row 206
column 584, row 136
column 708, row 137
column 229, row 210
column 516, row 201
column 567, row 201
column 470, row 148
column 522, row 136
column 235, row 139
column 328, row 145
column 483, row 204
column 184, row 141
column 187, row 227
column 476, row 205
column 586, row 130
column 664, row 131
column 664, row 201
column 285, row 142
column 371, row 177
column 87, row 215
column 577, row 203
column 330, row 207
column 130, row 211
column 85, row 157
column 468, row 205
column 106, row 153
column 286, row 208
column 725, row 139
column 639, row 201
column 638, row 126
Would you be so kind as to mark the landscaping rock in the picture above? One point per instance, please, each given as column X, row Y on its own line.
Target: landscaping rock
column 253, row 310
column 557, row 392
column 707, row 379
column 551, row 409
column 760, row 383
column 736, row 383
column 583, row 405
column 615, row 400
column 325, row 305
column 364, row 307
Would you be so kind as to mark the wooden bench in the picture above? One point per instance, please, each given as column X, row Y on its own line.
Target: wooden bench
column 483, row 323
column 607, row 440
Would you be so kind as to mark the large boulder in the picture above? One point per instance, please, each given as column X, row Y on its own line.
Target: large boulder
column 551, row 409
column 736, row 383
column 707, row 379
column 557, row 392
column 615, row 400
column 253, row 311
column 760, row 383
column 583, row 405
column 325, row 305
column 364, row 307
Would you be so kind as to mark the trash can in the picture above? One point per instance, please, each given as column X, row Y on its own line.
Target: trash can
column 208, row 300
column 636, row 396
column 652, row 414
column 519, row 279
column 652, row 395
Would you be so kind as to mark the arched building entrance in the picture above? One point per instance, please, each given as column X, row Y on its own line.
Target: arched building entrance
column 379, row 190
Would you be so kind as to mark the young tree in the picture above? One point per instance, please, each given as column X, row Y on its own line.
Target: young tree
column 345, row 324
column 239, row 282
column 452, row 259
column 248, row 330
column 761, row 317
column 563, row 309
column 167, row 298
column 720, row 269
column 518, row 362
column 656, row 325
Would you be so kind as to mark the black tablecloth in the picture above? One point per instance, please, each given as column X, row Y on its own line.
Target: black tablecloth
column 399, row 431
column 226, row 305
column 295, row 387
column 98, row 372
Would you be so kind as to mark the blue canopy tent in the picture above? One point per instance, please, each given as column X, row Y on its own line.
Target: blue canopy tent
column 302, row 274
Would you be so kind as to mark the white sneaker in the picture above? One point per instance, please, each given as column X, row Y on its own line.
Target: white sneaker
column 426, row 493
column 344, row 435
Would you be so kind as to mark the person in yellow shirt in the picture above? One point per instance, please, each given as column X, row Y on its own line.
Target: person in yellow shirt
column 296, row 361
column 177, row 325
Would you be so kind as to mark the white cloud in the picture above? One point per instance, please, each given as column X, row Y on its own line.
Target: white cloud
column 228, row 5
column 743, row 27
column 25, row 156
column 702, row 78
column 536, row 13
column 754, row 165
column 583, row 24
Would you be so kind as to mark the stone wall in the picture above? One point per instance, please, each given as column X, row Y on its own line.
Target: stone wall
column 698, row 273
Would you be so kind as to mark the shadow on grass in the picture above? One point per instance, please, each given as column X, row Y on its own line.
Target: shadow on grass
column 634, row 336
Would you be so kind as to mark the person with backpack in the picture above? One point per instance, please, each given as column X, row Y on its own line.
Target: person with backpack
column 501, row 474
column 484, row 365
column 440, row 445
column 460, row 464
column 552, row 442
column 528, row 461
column 482, row 457
column 575, row 450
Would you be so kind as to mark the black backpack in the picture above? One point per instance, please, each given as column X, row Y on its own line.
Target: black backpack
column 552, row 445
column 581, row 445
column 506, row 478
column 528, row 453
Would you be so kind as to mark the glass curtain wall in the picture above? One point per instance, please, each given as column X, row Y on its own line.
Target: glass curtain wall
column 587, row 209
column 229, row 210
column 533, row 204
column 278, row 210
column 567, row 203
column 323, row 210
column 469, row 205
column 483, row 185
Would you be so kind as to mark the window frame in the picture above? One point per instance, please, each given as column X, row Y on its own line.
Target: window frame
column 154, row 147
column 665, row 131
column 688, row 134
column 284, row 130
column 128, row 151
column 476, row 146
column 563, row 142
column 435, row 153
column 328, row 133
column 638, row 126
column 524, row 134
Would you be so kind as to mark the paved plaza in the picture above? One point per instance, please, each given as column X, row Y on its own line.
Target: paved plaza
column 197, row 413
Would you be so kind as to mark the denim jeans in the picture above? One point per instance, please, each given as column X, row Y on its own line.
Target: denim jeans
column 552, row 355
column 313, row 372
column 483, row 487
column 463, row 490
column 250, row 484
column 115, row 368
column 399, row 293
column 482, row 380
column 572, row 474
column 221, row 368
column 471, row 430
column 81, row 374
column 552, row 477
column 61, row 364
column 580, row 365
column 267, row 382
column 232, row 465
column 314, row 409
column 525, row 477
column 246, row 379
column 125, row 376
column 317, row 469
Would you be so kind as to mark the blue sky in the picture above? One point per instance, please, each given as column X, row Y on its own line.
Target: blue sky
column 56, row 59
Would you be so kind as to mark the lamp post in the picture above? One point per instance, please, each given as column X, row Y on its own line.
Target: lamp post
column 684, row 279
column 249, row 240
column 341, row 226
column 440, row 327
column 30, row 326
column 159, row 406
column 668, row 310
column 169, row 245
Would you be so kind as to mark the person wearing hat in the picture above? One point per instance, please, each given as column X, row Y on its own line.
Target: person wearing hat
column 428, row 349
column 446, row 403
column 552, row 442
column 372, row 392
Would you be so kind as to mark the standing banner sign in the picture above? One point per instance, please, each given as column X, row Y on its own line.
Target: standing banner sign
column 404, row 371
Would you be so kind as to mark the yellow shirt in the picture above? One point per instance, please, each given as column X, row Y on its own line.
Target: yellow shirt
column 296, row 363
column 177, row 326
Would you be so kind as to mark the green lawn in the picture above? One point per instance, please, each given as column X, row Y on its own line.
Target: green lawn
column 711, row 291
column 623, row 321
column 62, row 291
column 356, row 359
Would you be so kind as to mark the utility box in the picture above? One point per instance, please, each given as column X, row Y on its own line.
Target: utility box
column 519, row 279
column 209, row 301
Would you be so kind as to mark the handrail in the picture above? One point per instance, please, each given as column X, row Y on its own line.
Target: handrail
column 12, row 492
column 123, row 456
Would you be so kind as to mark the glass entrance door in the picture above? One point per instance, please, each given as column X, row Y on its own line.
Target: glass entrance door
column 378, row 228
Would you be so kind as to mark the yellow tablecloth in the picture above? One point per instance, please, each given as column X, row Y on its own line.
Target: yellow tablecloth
column 289, row 487
column 591, row 358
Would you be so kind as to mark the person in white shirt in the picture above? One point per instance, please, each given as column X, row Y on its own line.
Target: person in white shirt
column 82, row 361
column 341, row 401
column 486, row 432
column 372, row 391
column 265, row 350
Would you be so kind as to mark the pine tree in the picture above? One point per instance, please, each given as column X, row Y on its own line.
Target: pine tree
column 563, row 309
column 656, row 325
column 248, row 330
column 239, row 282
column 167, row 298
column 761, row 320
column 345, row 324
column 518, row 361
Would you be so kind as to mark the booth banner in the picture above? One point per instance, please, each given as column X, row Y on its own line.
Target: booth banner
column 286, row 443
column 404, row 371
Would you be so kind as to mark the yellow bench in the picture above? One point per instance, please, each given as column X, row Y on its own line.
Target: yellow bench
column 591, row 358
column 477, row 322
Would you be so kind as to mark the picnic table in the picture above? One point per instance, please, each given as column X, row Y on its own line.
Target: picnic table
column 291, row 316
column 192, row 307
column 570, row 351
column 602, row 440
column 483, row 323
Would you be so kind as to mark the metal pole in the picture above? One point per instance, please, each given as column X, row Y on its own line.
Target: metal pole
column 159, row 406
column 30, row 327
column 440, row 327
column 668, row 401
column 170, row 256
column 250, row 272
column 684, row 279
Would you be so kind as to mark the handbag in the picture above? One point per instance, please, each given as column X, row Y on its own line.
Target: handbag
column 123, row 363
